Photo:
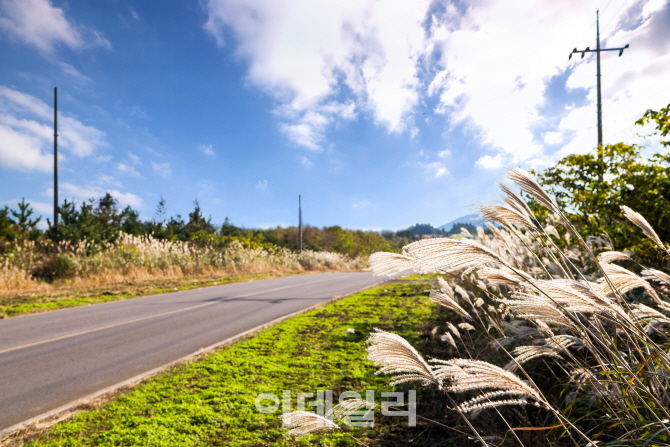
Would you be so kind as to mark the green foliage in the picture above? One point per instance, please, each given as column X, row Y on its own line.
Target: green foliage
column 349, row 242
column 23, row 221
column 593, row 187
column 22, row 227
column 197, row 222
column 8, row 231
column 662, row 122
column 96, row 221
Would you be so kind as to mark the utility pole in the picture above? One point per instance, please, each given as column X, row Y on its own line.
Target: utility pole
column 300, row 221
column 597, row 51
column 55, row 159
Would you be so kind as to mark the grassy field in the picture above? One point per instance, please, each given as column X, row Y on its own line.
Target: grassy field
column 210, row 402
column 64, row 297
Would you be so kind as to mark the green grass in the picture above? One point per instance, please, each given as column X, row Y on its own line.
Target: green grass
column 210, row 402
column 420, row 277
column 28, row 304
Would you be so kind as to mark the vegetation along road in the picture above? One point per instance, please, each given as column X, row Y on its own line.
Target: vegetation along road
column 48, row 360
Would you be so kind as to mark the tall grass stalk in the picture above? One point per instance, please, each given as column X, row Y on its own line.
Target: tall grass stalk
column 134, row 258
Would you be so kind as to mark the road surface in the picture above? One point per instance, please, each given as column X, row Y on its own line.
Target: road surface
column 51, row 359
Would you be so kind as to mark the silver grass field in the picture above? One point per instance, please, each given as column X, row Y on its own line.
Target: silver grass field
column 579, row 331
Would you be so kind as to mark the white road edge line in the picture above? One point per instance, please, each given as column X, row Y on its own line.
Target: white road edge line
column 140, row 377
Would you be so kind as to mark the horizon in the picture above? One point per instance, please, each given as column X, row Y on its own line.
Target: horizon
column 379, row 114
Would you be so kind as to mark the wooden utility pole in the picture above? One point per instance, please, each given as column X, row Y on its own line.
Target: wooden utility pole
column 597, row 51
column 300, row 221
column 55, row 158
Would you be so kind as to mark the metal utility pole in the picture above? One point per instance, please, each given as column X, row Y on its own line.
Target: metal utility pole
column 55, row 158
column 300, row 221
column 597, row 51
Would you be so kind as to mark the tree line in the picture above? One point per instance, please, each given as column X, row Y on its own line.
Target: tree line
column 100, row 221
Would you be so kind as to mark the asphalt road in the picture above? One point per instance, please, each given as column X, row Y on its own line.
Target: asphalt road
column 48, row 360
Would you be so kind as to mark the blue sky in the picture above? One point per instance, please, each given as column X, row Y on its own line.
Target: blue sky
column 381, row 114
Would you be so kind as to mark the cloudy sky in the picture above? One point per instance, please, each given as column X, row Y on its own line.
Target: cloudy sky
column 381, row 114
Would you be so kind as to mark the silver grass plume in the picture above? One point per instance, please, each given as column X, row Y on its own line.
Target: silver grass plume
column 463, row 293
column 396, row 356
column 389, row 264
column 539, row 309
column 575, row 296
column 643, row 225
column 449, row 339
column 481, row 234
column 430, row 255
column 607, row 257
column 624, row 280
column 646, row 313
column 528, row 185
column 580, row 297
column 499, row 277
column 655, row 275
column 466, row 375
column 550, row 229
column 445, row 297
column 504, row 215
column 553, row 347
column 453, row 329
column 305, row 422
column 514, row 201
column 520, row 333
column 466, row 326
column 346, row 408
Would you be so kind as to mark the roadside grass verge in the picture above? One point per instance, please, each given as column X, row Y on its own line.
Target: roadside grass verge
column 73, row 296
column 211, row 401
column 420, row 277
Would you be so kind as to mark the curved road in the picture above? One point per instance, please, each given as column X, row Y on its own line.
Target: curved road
column 48, row 360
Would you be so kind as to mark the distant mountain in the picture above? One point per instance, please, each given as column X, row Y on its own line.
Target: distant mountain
column 472, row 219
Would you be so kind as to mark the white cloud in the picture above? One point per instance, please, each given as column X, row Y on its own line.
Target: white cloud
column 123, row 168
column 69, row 69
column 22, row 152
column 134, row 159
column 306, row 54
column 306, row 162
column 361, row 204
column 40, row 24
column 488, row 162
column 435, row 169
column 206, row 149
column 127, row 198
column 134, row 14
column 262, row 185
column 108, row 180
column 498, row 57
column 102, row 158
column 162, row 169
column 81, row 193
column 553, row 137
column 26, row 138
column 444, row 154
